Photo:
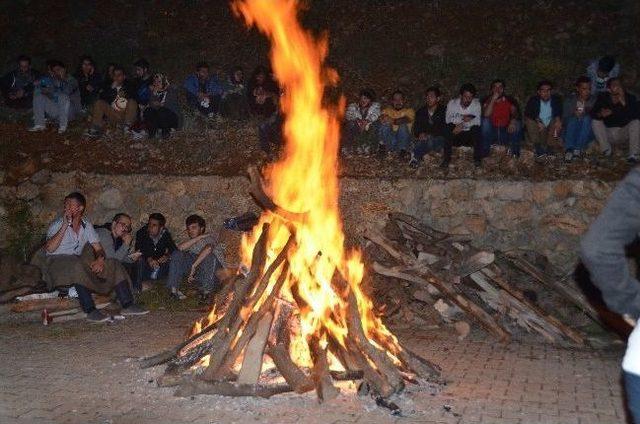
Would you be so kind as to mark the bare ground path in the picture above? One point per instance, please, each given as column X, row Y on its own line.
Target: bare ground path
column 78, row 373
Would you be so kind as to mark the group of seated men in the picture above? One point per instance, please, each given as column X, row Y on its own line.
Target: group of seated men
column 598, row 108
column 145, row 104
column 108, row 258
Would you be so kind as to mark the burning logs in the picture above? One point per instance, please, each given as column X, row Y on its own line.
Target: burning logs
column 447, row 269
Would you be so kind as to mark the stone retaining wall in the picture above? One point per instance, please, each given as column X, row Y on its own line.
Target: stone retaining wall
column 546, row 216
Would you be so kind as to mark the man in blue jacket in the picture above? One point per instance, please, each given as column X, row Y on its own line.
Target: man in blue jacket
column 543, row 118
column 204, row 91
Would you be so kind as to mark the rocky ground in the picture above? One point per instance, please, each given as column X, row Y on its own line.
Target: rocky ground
column 79, row 373
column 227, row 148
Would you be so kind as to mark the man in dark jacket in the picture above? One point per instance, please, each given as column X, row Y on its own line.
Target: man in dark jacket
column 89, row 80
column 156, row 245
column 615, row 118
column 603, row 253
column 17, row 85
column 116, row 103
column 142, row 80
column 500, row 119
column 204, row 91
column 543, row 117
column 429, row 127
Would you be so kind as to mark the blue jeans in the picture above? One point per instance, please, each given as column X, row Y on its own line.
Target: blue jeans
column 577, row 132
column 395, row 140
column 144, row 272
column 491, row 134
column 632, row 386
column 123, row 293
column 432, row 143
column 180, row 266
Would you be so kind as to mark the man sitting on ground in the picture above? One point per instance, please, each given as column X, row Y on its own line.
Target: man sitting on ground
column 615, row 118
column 234, row 98
column 361, row 120
column 500, row 120
column 204, row 91
column 463, row 121
column 195, row 258
column 116, row 103
column 116, row 239
column 76, row 257
column 156, row 245
column 17, row 85
column 162, row 111
column 57, row 97
column 395, row 125
column 543, row 118
column 577, row 119
column 600, row 72
column 142, row 80
column 430, row 128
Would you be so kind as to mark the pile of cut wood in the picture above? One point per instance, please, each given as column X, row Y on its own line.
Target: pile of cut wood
column 428, row 267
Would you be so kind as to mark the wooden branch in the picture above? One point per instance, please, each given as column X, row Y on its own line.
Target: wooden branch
column 198, row 387
column 53, row 304
column 396, row 253
column 486, row 320
column 256, row 189
column 9, row 295
column 475, row 263
column 320, row 375
column 252, row 361
column 292, row 374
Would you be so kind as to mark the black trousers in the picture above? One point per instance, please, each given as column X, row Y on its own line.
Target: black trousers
column 161, row 118
column 123, row 293
column 471, row 138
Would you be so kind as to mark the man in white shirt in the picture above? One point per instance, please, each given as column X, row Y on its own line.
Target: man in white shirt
column 463, row 120
column 75, row 257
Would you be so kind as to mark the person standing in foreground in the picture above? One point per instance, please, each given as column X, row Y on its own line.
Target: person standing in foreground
column 602, row 251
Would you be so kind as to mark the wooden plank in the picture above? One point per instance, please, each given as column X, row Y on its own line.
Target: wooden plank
column 252, row 361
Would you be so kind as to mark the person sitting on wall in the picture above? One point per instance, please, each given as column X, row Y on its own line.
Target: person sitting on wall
column 615, row 119
column 204, row 91
column 17, row 85
column 199, row 257
column 116, row 104
column 430, row 128
column 395, row 125
column 463, row 122
column 156, row 245
column 361, row 121
column 500, row 120
column 543, row 118
column 75, row 257
column 576, row 116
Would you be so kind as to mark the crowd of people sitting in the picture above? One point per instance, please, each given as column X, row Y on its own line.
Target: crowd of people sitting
column 147, row 105
column 108, row 258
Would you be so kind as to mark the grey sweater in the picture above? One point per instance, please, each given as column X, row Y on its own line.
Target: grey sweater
column 108, row 244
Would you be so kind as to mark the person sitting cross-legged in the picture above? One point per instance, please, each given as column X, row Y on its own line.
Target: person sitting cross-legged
column 395, row 125
column 543, row 118
column 429, row 128
column 615, row 118
column 463, row 123
column 577, row 119
column 75, row 257
column 198, row 257
column 116, row 104
column 56, row 96
column 361, row 121
column 156, row 245
column 500, row 120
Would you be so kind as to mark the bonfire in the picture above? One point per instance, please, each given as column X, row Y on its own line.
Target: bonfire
column 300, row 308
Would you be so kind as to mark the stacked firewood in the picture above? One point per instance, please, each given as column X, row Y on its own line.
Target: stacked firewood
column 448, row 272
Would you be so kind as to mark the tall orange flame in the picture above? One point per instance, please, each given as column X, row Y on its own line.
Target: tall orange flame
column 305, row 179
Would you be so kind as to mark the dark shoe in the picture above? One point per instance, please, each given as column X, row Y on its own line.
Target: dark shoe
column 93, row 133
column 178, row 295
column 633, row 159
column 96, row 316
column 382, row 151
column 477, row 163
column 134, row 310
column 445, row 164
column 413, row 163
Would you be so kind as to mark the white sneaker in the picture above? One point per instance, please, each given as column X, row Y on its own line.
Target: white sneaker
column 37, row 128
column 62, row 130
column 568, row 157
